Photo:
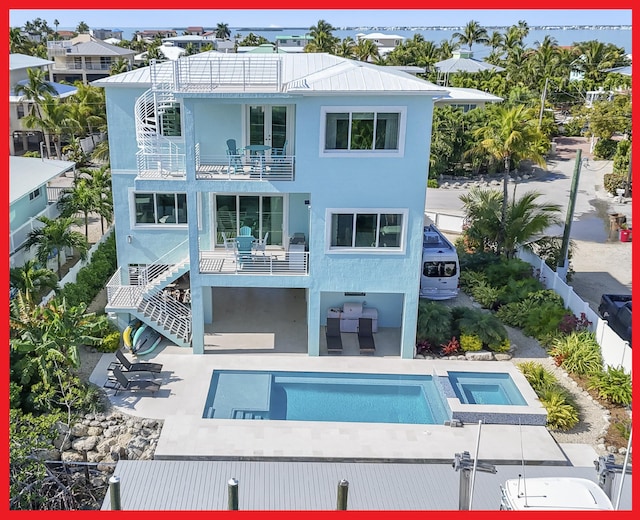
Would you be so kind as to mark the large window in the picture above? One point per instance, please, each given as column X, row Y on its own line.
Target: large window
column 366, row 230
column 363, row 130
column 160, row 208
column 262, row 213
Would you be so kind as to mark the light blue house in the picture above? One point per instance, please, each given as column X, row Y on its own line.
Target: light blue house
column 331, row 160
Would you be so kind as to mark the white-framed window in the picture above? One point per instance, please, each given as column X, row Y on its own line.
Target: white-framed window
column 362, row 131
column 374, row 230
column 160, row 208
column 35, row 194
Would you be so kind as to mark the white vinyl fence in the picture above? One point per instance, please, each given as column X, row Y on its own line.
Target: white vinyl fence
column 615, row 351
column 71, row 276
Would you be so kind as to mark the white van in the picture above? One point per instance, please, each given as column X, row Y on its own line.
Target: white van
column 559, row 493
column 440, row 278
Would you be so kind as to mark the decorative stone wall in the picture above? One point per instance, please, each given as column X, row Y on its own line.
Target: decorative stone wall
column 105, row 438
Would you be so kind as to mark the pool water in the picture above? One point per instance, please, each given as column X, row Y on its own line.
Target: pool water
column 318, row 396
column 489, row 388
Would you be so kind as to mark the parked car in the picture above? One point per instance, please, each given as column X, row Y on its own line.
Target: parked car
column 616, row 309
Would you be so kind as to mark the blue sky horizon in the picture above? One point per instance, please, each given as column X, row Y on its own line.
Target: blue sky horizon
column 117, row 18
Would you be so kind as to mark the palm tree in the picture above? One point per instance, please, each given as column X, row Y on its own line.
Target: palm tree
column 364, row 50
column 56, row 23
column 100, row 182
column 82, row 28
column 53, row 237
column 525, row 219
column 52, row 119
column 322, row 38
column 35, row 89
column 346, row 48
column 119, row 66
column 512, row 133
column 222, row 31
column 18, row 44
column 32, row 280
column 495, row 40
column 472, row 33
column 80, row 198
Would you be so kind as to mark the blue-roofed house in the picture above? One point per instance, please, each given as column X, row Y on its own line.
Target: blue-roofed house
column 327, row 158
column 24, row 139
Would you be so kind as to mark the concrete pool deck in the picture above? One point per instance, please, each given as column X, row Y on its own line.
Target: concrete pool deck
column 187, row 436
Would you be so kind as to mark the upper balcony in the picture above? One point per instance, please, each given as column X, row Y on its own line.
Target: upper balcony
column 243, row 166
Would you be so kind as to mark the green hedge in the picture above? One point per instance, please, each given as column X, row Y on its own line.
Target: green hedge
column 93, row 277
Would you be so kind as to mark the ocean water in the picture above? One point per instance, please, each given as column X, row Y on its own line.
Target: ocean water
column 620, row 37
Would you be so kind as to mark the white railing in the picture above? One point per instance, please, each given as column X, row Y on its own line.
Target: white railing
column 172, row 315
column 19, row 236
column 207, row 72
column 243, row 167
column 179, row 255
column 161, row 165
column 273, row 262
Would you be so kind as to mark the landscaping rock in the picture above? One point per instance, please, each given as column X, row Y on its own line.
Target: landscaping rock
column 480, row 355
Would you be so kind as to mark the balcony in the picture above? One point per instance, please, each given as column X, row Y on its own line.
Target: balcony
column 276, row 262
column 171, row 165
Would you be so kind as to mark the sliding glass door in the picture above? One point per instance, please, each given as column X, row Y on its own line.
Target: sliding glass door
column 262, row 213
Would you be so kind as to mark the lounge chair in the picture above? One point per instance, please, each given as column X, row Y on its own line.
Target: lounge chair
column 365, row 336
column 334, row 339
column 244, row 246
column 125, row 365
column 118, row 382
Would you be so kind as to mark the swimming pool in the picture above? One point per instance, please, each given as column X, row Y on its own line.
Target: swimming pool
column 319, row 396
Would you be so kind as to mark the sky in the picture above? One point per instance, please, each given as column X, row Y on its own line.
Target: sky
column 116, row 18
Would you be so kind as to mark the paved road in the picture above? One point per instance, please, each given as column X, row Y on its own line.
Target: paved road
column 601, row 262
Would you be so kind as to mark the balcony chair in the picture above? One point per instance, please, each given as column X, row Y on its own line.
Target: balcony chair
column 244, row 244
column 278, row 153
column 260, row 245
column 229, row 244
column 125, row 365
column 235, row 156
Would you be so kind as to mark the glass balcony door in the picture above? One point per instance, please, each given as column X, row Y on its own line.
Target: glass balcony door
column 262, row 213
column 268, row 125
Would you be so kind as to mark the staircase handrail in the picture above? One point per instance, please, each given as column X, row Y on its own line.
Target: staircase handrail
column 151, row 271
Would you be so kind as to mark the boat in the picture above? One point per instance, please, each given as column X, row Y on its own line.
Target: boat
column 553, row 493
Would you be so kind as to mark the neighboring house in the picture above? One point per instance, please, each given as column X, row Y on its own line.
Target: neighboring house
column 197, row 30
column 167, row 50
column 467, row 98
column 105, row 34
column 332, row 163
column 196, row 41
column 148, row 35
column 293, row 43
column 29, row 198
column 385, row 42
column 66, row 35
column 21, row 138
column 462, row 61
column 84, row 58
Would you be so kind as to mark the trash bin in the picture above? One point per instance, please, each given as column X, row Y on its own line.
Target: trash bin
column 625, row 235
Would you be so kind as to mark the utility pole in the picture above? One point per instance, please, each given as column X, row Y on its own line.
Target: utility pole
column 563, row 265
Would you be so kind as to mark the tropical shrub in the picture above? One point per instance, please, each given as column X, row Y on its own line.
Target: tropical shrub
column 484, row 325
column 470, row 279
column 425, row 348
column 543, row 319
column 515, row 290
column 623, row 427
column 571, row 323
column 578, row 353
column 110, row 343
column 537, row 375
column 504, row 346
column 470, row 343
column 605, row 149
column 508, row 268
column 561, row 412
column 612, row 384
column 434, row 322
column 432, row 183
column 614, row 181
column 477, row 261
column 485, row 294
column 450, row 347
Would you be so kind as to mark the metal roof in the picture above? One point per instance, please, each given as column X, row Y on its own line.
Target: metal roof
column 202, row 485
column 28, row 173
column 62, row 90
column 461, row 64
column 22, row 61
column 467, row 95
column 301, row 73
column 98, row 48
